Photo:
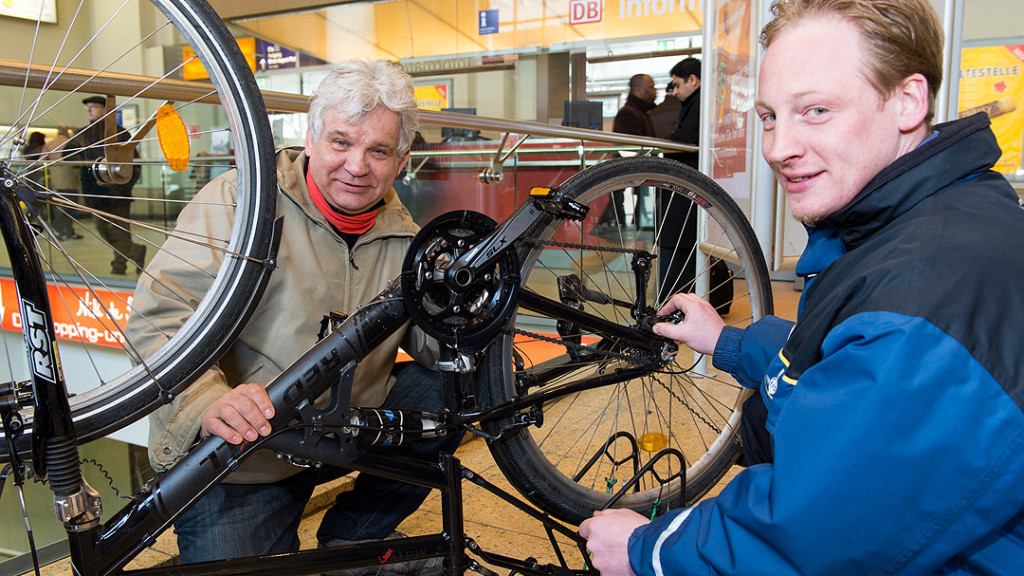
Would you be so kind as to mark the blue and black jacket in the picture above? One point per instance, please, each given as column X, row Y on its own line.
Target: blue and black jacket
column 896, row 402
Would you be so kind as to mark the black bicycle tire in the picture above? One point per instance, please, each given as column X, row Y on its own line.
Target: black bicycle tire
column 516, row 453
column 237, row 288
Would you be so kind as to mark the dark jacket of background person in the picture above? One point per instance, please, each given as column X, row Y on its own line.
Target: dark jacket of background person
column 665, row 116
column 688, row 129
column 91, row 142
column 633, row 119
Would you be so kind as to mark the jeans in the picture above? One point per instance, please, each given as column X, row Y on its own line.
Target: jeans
column 236, row 520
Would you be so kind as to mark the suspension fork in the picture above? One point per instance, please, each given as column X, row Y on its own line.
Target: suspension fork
column 54, row 442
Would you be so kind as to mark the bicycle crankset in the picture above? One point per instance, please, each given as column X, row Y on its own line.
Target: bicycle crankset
column 458, row 303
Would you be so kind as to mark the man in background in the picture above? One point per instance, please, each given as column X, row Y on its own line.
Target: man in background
column 633, row 119
column 112, row 199
column 64, row 181
column 686, row 87
column 665, row 115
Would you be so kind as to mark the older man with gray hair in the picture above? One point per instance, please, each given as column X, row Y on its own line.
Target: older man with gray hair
column 344, row 238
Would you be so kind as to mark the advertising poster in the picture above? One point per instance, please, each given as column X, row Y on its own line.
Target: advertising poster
column 432, row 96
column 733, row 86
column 992, row 81
column 77, row 313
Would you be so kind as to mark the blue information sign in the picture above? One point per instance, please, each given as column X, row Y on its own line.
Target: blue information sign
column 489, row 21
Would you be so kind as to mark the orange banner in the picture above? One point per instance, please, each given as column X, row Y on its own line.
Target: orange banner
column 193, row 69
column 734, row 88
column 79, row 314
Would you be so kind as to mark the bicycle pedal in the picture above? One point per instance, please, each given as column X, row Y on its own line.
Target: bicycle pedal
column 552, row 201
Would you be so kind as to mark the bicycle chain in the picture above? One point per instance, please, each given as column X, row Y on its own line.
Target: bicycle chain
column 626, row 357
column 537, row 242
column 579, row 347
column 691, row 410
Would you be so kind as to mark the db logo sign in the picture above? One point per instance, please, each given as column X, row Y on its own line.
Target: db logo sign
column 584, row 11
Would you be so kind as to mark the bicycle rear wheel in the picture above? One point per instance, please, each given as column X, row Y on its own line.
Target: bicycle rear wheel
column 587, row 445
column 78, row 230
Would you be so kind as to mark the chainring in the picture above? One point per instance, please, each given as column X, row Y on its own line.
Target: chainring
column 466, row 312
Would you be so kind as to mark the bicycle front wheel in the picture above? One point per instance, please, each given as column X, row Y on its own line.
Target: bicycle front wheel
column 583, row 447
column 99, row 220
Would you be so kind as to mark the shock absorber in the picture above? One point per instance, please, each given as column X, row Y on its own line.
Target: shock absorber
column 54, row 443
column 382, row 427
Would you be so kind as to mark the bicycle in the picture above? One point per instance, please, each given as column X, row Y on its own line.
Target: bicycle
column 588, row 298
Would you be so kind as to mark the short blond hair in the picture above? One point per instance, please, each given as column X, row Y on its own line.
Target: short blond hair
column 902, row 37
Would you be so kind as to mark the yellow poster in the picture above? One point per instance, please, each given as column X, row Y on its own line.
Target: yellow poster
column 992, row 81
column 432, row 97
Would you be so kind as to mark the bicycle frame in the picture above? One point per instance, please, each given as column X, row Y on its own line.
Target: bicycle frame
column 331, row 435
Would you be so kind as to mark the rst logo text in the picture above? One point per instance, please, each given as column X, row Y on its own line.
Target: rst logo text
column 35, row 336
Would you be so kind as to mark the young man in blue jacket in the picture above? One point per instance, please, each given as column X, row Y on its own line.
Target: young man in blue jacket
column 895, row 403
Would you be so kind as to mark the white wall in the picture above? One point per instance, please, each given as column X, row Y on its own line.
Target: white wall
column 993, row 20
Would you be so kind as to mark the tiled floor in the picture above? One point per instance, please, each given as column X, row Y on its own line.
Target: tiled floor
column 493, row 524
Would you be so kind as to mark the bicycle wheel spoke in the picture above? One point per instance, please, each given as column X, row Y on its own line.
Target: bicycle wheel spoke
column 667, row 410
column 92, row 241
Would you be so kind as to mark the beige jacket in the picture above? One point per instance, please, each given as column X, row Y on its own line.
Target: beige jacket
column 316, row 274
column 62, row 176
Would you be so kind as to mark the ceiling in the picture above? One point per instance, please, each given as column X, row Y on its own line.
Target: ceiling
column 231, row 10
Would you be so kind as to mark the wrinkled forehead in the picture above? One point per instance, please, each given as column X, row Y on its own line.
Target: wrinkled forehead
column 381, row 125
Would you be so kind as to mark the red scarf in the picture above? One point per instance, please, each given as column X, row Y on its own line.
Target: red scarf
column 345, row 223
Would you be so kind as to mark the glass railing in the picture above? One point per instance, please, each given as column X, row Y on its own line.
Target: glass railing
column 158, row 196
column 459, row 162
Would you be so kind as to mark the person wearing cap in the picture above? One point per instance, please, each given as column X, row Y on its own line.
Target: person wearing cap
column 895, row 404
column 112, row 199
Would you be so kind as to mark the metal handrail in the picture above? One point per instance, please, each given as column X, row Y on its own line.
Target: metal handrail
column 36, row 76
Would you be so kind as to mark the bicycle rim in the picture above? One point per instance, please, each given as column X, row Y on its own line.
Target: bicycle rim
column 112, row 389
column 683, row 415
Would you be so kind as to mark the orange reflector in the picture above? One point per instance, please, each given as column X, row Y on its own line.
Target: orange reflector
column 173, row 137
column 653, row 442
column 539, row 191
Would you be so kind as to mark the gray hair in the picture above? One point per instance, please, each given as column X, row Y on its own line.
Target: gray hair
column 356, row 87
